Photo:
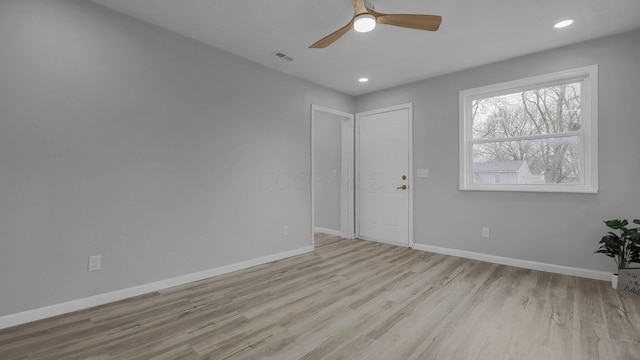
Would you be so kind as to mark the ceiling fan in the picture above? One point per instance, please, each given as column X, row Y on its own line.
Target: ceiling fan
column 365, row 19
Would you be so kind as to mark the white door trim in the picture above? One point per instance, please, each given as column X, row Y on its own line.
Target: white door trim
column 409, row 107
column 347, row 217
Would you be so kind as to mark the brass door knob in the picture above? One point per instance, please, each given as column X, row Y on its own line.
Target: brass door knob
column 403, row 187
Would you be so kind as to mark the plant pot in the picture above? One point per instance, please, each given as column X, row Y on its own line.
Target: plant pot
column 614, row 281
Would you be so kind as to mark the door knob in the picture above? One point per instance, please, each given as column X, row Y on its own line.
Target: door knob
column 403, row 187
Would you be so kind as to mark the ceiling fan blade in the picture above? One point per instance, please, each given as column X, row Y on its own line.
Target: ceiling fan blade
column 331, row 38
column 418, row 22
column 360, row 7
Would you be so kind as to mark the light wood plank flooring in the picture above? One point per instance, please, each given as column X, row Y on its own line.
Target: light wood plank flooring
column 351, row 299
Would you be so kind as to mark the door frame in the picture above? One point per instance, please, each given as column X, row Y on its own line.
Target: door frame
column 347, row 200
column 409, row 107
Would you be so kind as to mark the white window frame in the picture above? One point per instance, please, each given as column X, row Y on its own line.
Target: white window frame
column 588, row 131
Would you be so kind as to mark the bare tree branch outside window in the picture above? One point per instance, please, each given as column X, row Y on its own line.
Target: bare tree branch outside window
column 534, row 132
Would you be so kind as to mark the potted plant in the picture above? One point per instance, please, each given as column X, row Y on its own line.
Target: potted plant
column 622, row 244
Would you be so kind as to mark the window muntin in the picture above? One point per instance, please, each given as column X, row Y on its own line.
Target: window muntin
column 535, row 134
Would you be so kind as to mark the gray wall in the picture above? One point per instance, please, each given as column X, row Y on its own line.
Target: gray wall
column 169, row 157
column 327, row 144
column 162, row 154
column 553, row 228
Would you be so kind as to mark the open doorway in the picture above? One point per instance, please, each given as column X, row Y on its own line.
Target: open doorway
column 332, row 159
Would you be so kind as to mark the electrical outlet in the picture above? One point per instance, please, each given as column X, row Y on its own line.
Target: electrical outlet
column 95, row 262
column 285, row 230
column 485, row 232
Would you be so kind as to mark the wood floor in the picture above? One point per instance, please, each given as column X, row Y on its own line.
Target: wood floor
column 352, row 299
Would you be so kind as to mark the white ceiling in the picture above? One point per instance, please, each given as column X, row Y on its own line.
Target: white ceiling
column 473, row 32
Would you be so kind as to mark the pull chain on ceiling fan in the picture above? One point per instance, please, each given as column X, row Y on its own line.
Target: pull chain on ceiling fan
column 365, row 19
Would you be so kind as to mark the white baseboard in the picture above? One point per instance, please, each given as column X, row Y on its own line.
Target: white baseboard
column 101, row 299
column 533, row 265
column 327, row 231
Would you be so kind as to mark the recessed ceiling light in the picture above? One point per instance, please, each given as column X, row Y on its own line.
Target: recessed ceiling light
column 363, row 80
column 563, row 23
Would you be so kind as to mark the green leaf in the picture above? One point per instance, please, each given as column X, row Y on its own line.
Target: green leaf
column 616, row 224
column 611, row 240
column 609, row 254
column 633, row 233
column 611, row 236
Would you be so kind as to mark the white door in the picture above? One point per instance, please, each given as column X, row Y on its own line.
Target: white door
column 383, row 175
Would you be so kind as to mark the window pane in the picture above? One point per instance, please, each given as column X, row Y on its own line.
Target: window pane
column 549, row 110
column 540, row 161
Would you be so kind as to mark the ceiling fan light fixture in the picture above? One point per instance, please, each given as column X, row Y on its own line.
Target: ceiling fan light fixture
column 364, row 23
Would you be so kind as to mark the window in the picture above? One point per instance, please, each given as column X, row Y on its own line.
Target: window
column 533, row 134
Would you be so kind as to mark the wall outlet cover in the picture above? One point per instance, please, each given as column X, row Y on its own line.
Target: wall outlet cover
column 95, row 262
